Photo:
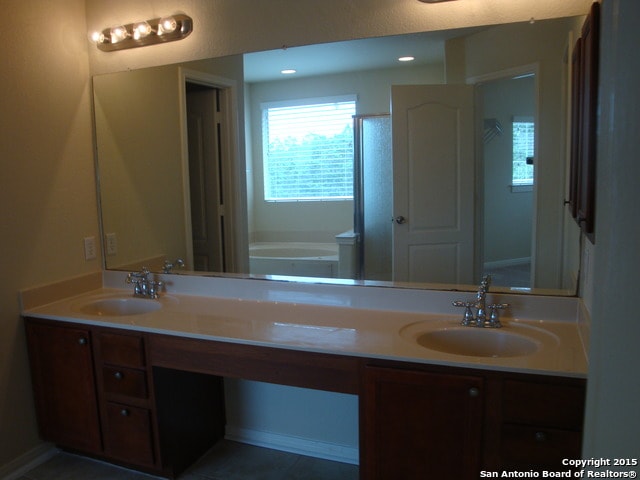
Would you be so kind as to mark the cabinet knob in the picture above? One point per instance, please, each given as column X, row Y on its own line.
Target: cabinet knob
column 474, row 392
column 82, row 341
column 541, row 437
column 118, row 375
column 124, row 412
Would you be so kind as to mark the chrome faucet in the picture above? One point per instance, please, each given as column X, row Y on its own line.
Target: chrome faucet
column 480, row 304
column 143, row 285
column 481, row 301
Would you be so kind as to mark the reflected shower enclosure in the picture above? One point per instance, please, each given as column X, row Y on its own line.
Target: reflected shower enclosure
column 373, row 187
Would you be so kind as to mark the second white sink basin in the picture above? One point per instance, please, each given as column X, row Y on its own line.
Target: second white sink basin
column 478, row 342
column 514, row 339
column 119, row 306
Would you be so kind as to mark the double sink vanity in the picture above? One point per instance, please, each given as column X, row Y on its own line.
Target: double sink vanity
column 139, row 381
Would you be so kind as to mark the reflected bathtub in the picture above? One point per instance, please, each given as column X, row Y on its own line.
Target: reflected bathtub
column 294, row 258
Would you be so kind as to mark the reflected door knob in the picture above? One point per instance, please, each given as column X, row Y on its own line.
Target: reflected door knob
column 400, row 220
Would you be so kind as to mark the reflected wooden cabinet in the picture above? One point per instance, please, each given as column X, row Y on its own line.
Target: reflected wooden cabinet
column 584, row 106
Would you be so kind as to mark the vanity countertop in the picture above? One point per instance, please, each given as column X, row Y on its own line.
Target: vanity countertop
column 328, row 329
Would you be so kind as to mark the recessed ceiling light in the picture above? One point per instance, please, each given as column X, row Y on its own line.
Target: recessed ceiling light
column 288, row 71
column 406, row 59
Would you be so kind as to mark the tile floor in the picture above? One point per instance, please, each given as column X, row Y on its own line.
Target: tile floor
column 226, row 461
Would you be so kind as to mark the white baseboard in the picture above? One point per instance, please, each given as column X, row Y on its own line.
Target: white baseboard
column 288, row 443
column 27, row 461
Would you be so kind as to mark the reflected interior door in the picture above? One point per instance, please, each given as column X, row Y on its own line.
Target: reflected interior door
column 433, row 183
column 207, row 212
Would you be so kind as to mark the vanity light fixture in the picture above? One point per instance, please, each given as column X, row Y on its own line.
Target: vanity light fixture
column 406, row 59
column 140, row 34
column 288, row 71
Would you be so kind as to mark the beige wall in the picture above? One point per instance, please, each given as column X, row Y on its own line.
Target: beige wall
column 47, row 192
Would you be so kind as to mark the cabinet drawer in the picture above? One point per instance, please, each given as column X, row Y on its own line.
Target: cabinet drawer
column 530, row 447
column 551, row 405
column 128, row 436
column 124, row 350
column 124, row 381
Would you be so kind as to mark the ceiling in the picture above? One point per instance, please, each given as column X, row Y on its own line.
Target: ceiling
column 352, row 55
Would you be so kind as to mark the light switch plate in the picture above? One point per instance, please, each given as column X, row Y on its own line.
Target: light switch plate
column 111, row 243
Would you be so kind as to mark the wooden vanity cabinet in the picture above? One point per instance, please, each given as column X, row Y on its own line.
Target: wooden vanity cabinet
column 541, row 422
column 124, row 392
column 97, row 394
column 64, row 385
column 155, row 403
column 420, row 424
column 425, row 421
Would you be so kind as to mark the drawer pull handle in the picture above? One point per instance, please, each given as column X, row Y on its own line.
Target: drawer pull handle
column 118, row 375
column 124, row 412
column 541, row 437
column 474, row 392
column 82, row 341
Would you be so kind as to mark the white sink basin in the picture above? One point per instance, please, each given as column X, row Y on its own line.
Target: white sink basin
column 119, row 306
column 514, row 339
column 478, row 342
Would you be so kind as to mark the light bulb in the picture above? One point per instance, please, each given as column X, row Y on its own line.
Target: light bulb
column 167, row 25
column 97, row 37
column 141, row 30
column 118, row 34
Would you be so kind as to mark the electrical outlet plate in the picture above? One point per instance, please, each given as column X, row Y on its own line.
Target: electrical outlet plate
column 89, row 248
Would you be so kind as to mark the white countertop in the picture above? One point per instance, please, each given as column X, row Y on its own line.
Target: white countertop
column 383, row 334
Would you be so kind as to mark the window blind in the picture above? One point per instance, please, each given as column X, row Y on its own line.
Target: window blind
column 308, row 151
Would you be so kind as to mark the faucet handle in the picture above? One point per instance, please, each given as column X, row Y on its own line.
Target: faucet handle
column 154, row 288
column 467, row 317
column 134, row 277
column 494, row 318
column 168, row 266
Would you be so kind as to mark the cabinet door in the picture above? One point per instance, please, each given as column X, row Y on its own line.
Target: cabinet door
column 64, row 387
column 421, row 425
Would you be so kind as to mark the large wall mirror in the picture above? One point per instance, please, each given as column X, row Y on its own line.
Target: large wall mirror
column 455, row 166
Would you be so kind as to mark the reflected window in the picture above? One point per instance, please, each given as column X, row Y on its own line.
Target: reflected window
column 308, row 149
column 523, row 150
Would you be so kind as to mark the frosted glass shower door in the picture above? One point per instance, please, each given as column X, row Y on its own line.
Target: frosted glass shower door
column 374, row 195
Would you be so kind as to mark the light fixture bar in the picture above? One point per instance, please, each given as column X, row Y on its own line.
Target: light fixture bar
column 141, row 34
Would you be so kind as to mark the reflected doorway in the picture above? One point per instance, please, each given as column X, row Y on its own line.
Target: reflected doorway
column 509, row 187
column 206, row 188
